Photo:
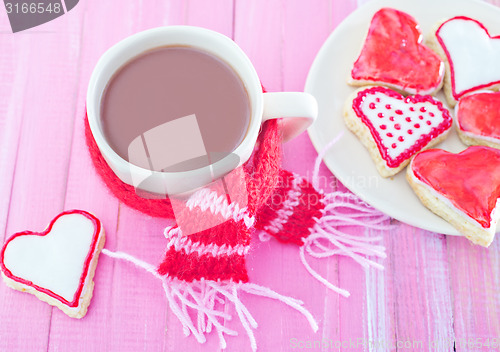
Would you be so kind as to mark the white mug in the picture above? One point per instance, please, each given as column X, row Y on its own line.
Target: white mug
column 298, row 110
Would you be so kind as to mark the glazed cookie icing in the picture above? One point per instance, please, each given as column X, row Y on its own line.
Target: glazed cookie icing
column 400, row 126
column 56, row 261
column 393, row 54
column 479, row 115
column 470, row 180
column 473, row 55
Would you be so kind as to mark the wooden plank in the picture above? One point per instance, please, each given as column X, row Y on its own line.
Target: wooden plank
column 433, row 288
column 301, row 44
column 259, row 32
column 139, row 307
column 379, row 310
column 45, row 74
column 475, row 285
column 280, row 46
column 306, row 27
column 351, row 312
column 218, row 16
column 12, row 86
column 420, row 284
column 84, row 188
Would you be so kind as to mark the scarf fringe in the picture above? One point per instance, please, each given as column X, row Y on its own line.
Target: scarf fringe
column 200, row 305
column 327, row 240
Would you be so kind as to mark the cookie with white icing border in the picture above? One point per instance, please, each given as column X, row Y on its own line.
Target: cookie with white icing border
column 471, row 55
column 394, row 128
column 461, row 188
column 58, row 264
column 393, row 55
column 478, row 119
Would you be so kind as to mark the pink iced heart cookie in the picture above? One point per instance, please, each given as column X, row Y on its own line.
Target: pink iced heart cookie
column 394, row 128
column 478, row 119
column 462, row 188
column 58, row 264
column 472, row 56
column 393, row 55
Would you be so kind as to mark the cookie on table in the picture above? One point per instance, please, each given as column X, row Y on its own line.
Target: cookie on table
column 394, row 128
column 471, row 56
column 58, row 264
column 393, row 55
column 478, row 119
column 461, row 188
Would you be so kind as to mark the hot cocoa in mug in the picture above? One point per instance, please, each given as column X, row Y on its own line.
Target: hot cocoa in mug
column 174, row 108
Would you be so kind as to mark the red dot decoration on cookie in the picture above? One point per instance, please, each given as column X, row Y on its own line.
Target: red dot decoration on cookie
column 479, row 114
column 380, row 114
column 461, row 178
column 393, row 54
column 410, row 138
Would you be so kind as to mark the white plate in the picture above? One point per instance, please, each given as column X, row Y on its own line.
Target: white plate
column 348, row 159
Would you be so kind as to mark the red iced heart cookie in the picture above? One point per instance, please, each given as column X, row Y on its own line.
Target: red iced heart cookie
column 473, row 56
column 393, row 55
column 462, row 188
column 393, row 127
column 478, row 119
column 58, row 264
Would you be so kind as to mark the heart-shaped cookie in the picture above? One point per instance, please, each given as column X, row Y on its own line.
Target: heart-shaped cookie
column 58, row 264
column 393, row 55
column 472, row 56
column 394, row 127
column 478, row 119
column 462, row 188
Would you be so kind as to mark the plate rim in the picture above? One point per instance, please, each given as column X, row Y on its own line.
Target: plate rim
column 314, row 134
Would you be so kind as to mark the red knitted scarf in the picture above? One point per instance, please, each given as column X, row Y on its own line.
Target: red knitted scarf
column 205, row 256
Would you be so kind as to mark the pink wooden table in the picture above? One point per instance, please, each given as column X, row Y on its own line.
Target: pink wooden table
column 434, row 288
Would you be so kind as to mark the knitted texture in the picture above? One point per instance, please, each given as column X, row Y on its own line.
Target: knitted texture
column 262, row 167
column 149, row 204
column 300, row 214
column 219, row 228
column 204, row 263
column 203, row 270
column 285, row 206
column 204, row 254
column 292, row 209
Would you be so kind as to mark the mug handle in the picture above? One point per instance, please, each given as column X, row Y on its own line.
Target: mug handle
column 298, row 110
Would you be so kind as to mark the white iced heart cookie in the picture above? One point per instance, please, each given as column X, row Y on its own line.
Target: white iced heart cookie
column 58, row 264
column 472, row 56
column 394, row 128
